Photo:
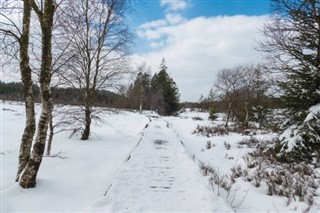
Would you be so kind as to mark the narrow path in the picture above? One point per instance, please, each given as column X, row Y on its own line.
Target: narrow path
column 159, row 177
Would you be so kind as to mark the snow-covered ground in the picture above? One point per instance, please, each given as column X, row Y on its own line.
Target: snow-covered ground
column 73, row 183
column 161, row 174
column 243, row 196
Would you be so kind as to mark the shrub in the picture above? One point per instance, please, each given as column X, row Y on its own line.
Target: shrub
column 209, row 145
column 197, row 118
column 221, row 130
column 213, row 114
column 210, row 131
column 216, row 178
column 227, row 145
column 250, row 142
column 291, row 180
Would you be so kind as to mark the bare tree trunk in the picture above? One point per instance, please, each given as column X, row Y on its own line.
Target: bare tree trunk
column 86, row 132
column 230, row 103
column 246, row 108
column 30, row 127
column 28, row 177
column 141, row 99
column 51, row 130
column 51, row 133
column 228, row 117
column 228, row 114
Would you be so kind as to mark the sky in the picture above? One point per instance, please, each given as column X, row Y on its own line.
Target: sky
column 197, row 38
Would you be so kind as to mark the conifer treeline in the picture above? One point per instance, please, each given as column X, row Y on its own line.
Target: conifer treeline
column 159, row 93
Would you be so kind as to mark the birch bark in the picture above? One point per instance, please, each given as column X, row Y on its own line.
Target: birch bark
column 25, row 71
column 28, row 177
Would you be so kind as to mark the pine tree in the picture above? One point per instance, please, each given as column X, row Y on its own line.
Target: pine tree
column 165, row 92
column 213, row 114
column 293, row 42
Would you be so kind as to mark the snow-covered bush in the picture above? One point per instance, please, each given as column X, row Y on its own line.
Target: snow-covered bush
column 238, row 171
column 250, row 142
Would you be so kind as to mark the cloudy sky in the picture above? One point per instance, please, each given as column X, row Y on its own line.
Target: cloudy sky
column 197, row 38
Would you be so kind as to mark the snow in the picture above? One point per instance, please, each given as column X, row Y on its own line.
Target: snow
column 127, row 166
column 73, row 183
column 222, row 159
column 291, row 137
column 313, row 111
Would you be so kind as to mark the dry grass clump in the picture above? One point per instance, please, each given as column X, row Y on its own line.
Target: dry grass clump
column 209, row 131
column 296, row 181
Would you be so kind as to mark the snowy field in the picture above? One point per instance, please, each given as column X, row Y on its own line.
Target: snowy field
column 161, row 175
column 73, row 183
column 224, row 154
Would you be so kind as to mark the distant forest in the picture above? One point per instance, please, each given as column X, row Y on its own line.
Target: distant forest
column 13, row 91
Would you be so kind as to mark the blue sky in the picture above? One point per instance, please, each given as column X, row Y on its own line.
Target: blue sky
column 198, row 38
column 151, row 10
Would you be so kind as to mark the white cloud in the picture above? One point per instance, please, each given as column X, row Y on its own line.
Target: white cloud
column 174, row 5
column 154, row 24
column 157, row 45
column 156, row 29
column 173, row 18
column 195, row 50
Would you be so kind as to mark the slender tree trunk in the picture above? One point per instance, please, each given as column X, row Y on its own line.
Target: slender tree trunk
column 229, row 111
column 228, row 115
column 246, row 108
column 28, row 177
column 51, row 133
column 51, row 130
column 30, row 127
column 86, row 132
column 141, row 99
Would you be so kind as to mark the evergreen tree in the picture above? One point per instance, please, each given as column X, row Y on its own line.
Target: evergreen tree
column 293, row 41
column 213, row 114
column 165, row 92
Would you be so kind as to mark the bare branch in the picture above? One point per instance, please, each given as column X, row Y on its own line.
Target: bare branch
column 36, row 9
